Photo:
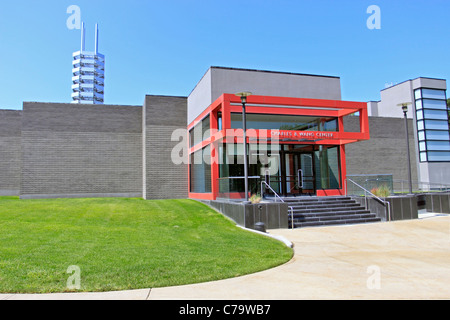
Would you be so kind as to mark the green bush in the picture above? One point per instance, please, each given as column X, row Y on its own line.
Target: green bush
column 381, row 191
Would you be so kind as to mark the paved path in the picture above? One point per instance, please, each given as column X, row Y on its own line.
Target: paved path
column 396, row 260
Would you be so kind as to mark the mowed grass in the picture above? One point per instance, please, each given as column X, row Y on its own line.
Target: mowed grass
column 121, row 244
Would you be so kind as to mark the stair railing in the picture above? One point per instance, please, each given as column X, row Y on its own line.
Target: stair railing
column 386, row 204
column 422, row 186
column 267, row 186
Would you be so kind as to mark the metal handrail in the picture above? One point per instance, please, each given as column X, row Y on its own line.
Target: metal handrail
column 276, row 195
column 442, row 187
column 237, row 177
column 386, row 203
column 271, row 189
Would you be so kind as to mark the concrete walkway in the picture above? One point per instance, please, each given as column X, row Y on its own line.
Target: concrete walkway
column 395, row 260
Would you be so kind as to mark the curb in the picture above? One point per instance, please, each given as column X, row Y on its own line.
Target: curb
column 279, row 238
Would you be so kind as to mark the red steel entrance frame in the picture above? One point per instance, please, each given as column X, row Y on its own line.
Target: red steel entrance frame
column 229, row 103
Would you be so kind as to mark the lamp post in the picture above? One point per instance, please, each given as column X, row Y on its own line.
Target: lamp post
column 244, row 96
column 404, row 106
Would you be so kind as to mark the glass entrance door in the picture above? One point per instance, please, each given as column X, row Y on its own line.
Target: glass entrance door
column 307, row 178
column 298, row 174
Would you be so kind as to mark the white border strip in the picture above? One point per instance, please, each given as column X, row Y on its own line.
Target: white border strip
column 279, row 238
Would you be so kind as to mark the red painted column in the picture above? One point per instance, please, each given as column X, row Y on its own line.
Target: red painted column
column 214, row 156
column 343, row 171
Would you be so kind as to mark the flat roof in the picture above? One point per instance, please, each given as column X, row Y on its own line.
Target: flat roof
column 268, row 71
column 397, row 84
column 256, row 70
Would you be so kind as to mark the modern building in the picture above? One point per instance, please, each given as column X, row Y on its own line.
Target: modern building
column 429, row 123
column 88, row 73
column 294, row 120
column 302, row 139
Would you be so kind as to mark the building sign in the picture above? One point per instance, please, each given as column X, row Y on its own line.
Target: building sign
column 299, row 135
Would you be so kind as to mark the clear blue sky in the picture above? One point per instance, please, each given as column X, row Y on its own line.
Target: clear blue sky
column 165, row 46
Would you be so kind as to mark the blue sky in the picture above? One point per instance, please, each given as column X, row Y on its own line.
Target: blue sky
column 165, row 46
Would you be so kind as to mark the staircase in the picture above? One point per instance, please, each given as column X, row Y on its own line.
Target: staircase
column 326, row 211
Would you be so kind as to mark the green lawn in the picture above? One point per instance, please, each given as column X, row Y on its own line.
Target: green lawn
column 121, row 244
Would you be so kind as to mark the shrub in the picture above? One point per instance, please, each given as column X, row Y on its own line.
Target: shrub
column 255, row 198
column 381, row 191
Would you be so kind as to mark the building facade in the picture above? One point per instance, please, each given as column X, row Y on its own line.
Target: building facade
column 302, row 139
column 428, row 124
column 296, row 135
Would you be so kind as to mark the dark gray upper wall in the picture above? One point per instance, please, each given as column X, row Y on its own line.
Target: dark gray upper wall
column 10, row 152
column 165, row 110
column 81, row 150
column 10, row 123
column 81, row 117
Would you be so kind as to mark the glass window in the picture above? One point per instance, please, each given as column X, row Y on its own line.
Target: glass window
column 432, row 125
column 438, row 145
column 422, row 146
column 261, row 158
column 423, row 156
column 200, row 171
column 419, row 104
column 327, row 168
column 419, row 115
column 435, row 104
column 200, row 132
column 206, row 128
column 331, row 125
column 436, row 114
column 421, row 135
column 438, row 156
column 433, row 94
column 333, row 165
column 284, row 122
column 437, row 135
column 435, row 124
column 191, row 137
column 420, row 125
column 219, row 121
column 417, row 94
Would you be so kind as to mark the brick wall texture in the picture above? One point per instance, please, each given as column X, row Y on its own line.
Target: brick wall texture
column 10, row 154
column 164, row 178
column 385, row 152
column 70, row 150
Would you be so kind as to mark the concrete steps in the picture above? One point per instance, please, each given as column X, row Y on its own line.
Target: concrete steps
column 327, row 211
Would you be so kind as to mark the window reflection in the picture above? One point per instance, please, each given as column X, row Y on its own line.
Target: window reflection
column 284, row 122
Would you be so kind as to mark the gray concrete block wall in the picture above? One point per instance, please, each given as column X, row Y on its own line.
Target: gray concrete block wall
column 438, row 202
column 71, row 150
column 164, row 179
column 385, row 152
column 273, row 215
column 10, row 152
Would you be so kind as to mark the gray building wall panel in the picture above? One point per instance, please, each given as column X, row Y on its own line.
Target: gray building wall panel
column 385, row 152
column 218, row 81
column 10, row 152
column 164, row 178
column 70, row 150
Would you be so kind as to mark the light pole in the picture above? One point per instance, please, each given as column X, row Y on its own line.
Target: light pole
column 244, row 96
column 404, row 106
